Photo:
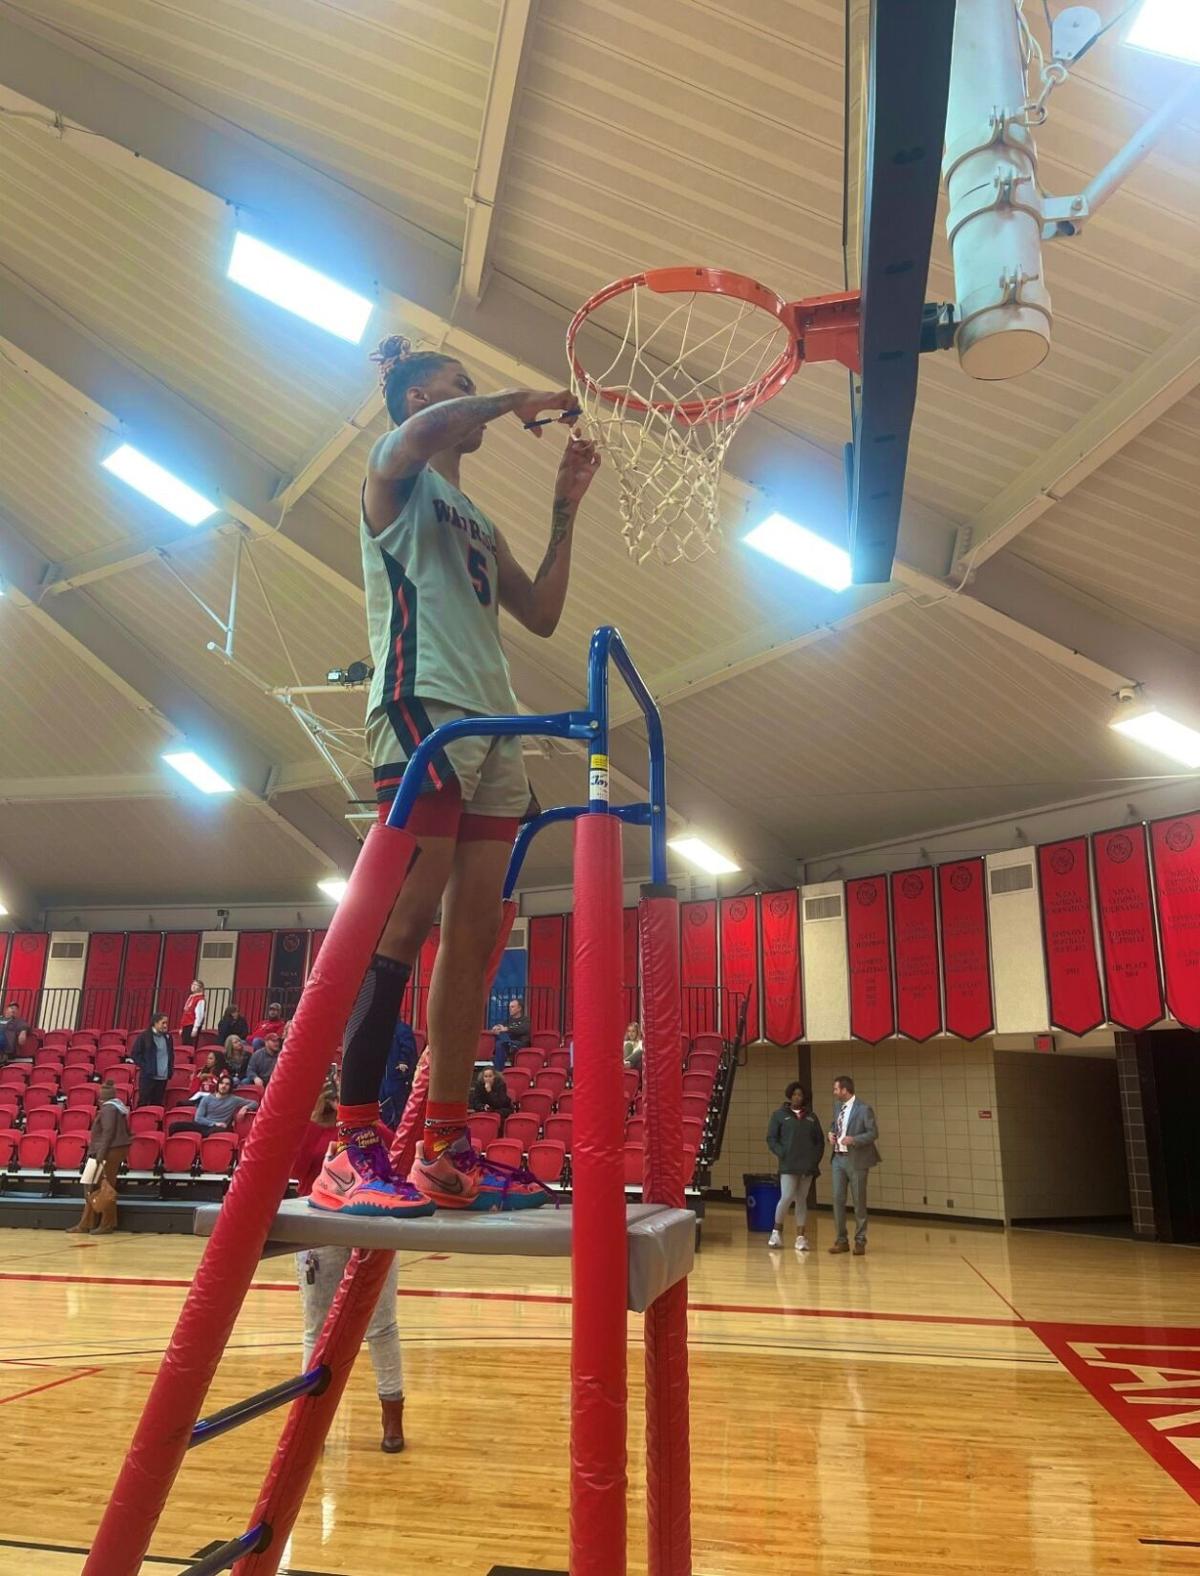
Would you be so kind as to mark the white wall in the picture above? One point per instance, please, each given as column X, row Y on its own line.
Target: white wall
column 825, row 970
column 62, row 974
column 1015, row 925
column 939, row 1155
column 1062, row 1137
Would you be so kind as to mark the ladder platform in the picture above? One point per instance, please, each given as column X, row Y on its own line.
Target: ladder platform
column 662, row 1241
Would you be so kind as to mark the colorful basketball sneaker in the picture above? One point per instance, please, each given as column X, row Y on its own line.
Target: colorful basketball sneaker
column 460, row 1178
column 359, row 1180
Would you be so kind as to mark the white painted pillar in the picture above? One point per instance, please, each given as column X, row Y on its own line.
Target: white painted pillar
column 995, row 219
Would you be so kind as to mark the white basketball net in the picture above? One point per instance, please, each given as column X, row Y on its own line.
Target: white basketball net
column 675, row 350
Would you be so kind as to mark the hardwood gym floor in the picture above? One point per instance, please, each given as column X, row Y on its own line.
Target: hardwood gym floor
column 897, row 1413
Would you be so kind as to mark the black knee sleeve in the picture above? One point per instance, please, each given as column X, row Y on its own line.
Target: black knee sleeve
column 370, row 1028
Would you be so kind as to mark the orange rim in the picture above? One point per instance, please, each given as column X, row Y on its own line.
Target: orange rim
column 702, row 281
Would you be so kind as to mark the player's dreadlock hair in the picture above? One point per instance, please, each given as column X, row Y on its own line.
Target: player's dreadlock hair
column 402, row 368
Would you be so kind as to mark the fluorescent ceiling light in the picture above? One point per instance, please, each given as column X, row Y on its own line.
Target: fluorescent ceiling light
column 141, row 472
column 801, row 550
column 334, row 887
column 1168, row 27
column 1162, row 733
column 3, row 910
column 298, row 288
column 199, row 773
column 699, row 853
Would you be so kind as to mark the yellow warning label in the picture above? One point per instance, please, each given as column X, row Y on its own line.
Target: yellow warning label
column 599, row 763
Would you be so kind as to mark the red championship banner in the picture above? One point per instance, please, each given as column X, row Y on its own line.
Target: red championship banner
column 101, row 977
column 783, row 1001
column 26, row 966
column 1127, row 943
column 915, row 951
column 739, row 965
column 1069, row 936
column 546, row 934
column 140, row 979
column 869, row 954
column 698, row 966
column 1175, row 847
column 966, row 967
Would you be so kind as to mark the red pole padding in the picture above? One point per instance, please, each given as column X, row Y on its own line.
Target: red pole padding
column 309, row 1419
column 599, row 1262
column 668, row 1446
column 408, row 1130
column 233, row 1251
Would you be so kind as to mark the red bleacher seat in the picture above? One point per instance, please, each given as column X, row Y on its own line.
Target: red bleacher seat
column 693, row 1132
column 33, row 1151
column 704, row 1062
column 176, row 1097
column 483, row 1127
column 634, row 1164
column 35, row 1099
column 146, row 1119
column 560, row 1057
column 486, row 1047
column 70, row 1150
column 81, row 1056
column 49, row 1058
column 544, row 1040
column 696, row 1106
column 505, row 1150
column 243, row 1121
column 144, row 1152
column 698, row 1083
column 109, row 1058
column 546, row 1160
column 82, row 1040
column 635, row 1130
column 72, row 1077
column 206, row 1039
column 531, row 1060
column 8, row 1112
column 84, row 1096
column 552, row 1078
column 180, row 1152
column 9, row 1139
column 539, row 1102
column 516, row 1080
column 44, row 1080
column 45, row 1120
column 685, row 1045
column 217, row 1153
column 566, row 1102
column 177, row 1118
column 14, row 1077
column 76, row 1121
column 115, row 1037
column 631, row 1083
column 709, row 1042
column 558, row 1129
column 524, row 1127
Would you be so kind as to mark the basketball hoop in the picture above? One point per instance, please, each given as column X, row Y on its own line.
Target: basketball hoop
column 692, row 351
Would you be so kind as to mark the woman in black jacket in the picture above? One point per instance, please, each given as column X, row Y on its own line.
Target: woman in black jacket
column 797, row 1140
column 489, row 1092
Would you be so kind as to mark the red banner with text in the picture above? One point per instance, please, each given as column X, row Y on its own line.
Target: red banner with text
column 26, row 967
column 546, row 971
column 783, row 1000
column 915, row 950
column 966, row 968
column 1175, row 847
column 739, row 965
column 101, row 977
column 1069, row 936
column 181, row 954
column 140, row 978
column 1127, row 943
column 869, row 956
column 698, row 967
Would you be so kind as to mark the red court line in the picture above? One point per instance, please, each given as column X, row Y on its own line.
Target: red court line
column 82, row 1373
column 769, row 1309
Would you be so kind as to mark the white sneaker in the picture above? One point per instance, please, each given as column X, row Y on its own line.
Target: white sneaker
column 801, row 1244
column 775, row 1240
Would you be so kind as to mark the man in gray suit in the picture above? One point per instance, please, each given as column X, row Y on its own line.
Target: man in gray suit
column 852, row 1140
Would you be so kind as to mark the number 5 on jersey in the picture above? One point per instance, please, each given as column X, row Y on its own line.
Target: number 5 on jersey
column 477, row 568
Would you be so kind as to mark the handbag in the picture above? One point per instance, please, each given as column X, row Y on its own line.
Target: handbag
column 105, row 1195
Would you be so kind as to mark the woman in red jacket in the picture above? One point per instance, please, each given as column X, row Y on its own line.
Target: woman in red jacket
column 204, row 1079
column 193, row 1014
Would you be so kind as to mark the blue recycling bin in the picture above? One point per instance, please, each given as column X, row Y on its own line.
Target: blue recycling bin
column 762, row 1199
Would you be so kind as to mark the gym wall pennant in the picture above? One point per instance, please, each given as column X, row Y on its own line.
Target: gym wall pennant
column 1175, row 846
column 869, row 954
column 915, row 951
column 1127, row 943
column 966, row 967
column 1069, row 936
column 783, row 1002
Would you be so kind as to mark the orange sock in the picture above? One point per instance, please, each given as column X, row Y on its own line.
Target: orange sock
column 445, row 1120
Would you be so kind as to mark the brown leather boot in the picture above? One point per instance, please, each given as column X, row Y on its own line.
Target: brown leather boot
column 85, row 1222
column 393, row 1425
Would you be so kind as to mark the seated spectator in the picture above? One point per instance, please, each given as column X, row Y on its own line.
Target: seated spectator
column 233, row 1022
column 398, row 1075
column 272, row 1024
column 215, row 1112
column 204, row 1079
column 634, row 1048
column 489, row 1092
column 237, row 1056
column 14, row 1032
column 514, row 1035
column 262, row 1063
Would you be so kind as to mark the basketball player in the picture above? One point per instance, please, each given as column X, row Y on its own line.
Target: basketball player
column 436, row 571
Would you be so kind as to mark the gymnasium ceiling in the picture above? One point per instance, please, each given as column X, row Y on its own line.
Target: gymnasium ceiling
column 364, row 136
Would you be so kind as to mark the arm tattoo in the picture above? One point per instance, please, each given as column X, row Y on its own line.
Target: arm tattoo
column 560, row 523
column 454, row 417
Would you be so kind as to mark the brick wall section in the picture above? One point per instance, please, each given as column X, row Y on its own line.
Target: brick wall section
column 1141, row 1191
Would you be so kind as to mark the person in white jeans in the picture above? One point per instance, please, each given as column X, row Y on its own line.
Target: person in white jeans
column 795, row 1138
column 320, row 1271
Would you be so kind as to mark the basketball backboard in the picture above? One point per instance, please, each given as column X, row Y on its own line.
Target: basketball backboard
column 897, row 87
